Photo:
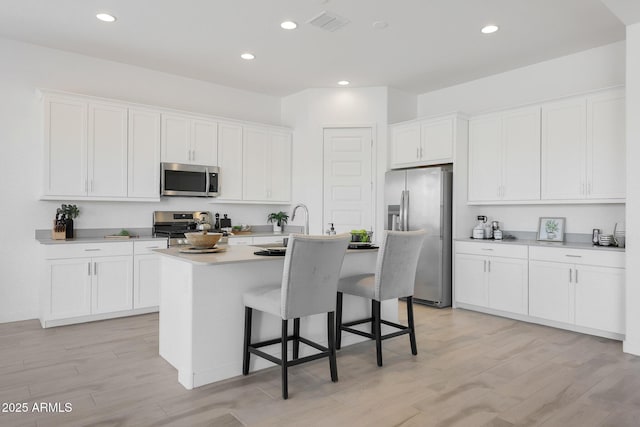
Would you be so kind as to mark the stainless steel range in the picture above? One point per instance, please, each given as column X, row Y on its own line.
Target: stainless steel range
column 173, row 224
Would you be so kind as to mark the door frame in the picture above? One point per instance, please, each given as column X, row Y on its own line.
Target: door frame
column 374, row 167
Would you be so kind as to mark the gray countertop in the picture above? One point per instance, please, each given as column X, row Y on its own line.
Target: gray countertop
column 526, row 242
column 96, row 235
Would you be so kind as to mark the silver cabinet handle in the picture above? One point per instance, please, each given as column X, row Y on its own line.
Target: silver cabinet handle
column 489, row 263
column 576, row 276
column 573, row 256
column 95, row 268
column 420, row 152
column 487, row 249
column 589, row 188
column 92, row 250
column 570, row 275
column 153, row 247
column 484, row 263
column 88, row 269
column 86, row 185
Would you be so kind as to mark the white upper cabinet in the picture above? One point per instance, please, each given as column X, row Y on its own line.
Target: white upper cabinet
column 606, row 150
column 107, row 150
column 65, row 144
column 504, row 156
column 230, row 161
column 144, row 153
column 425, row 142
column 583, row 148
column 485, row 158
column 266, row 165
column 189, row 140
column 563, row 149
column 405, row 144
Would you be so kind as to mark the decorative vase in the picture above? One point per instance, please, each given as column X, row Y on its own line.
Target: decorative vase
column 69, row 230
column 277, row 228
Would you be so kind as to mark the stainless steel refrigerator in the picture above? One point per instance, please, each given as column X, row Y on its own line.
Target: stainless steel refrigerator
column 421, row 199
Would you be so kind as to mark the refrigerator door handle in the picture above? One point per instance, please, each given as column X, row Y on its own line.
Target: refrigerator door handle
column 406, row 211
column 394, row 222
column 402, row 211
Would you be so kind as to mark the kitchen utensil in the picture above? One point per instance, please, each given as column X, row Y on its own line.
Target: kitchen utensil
column 595, row 236
column 203, row 240
column 194, row 250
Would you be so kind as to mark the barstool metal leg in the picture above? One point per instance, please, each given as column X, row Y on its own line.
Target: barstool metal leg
column 296, row 338
column 285, row 388
column 339, row 320
column 247, row 340
column 332, row 346
column 412, row 329
column 378, row 330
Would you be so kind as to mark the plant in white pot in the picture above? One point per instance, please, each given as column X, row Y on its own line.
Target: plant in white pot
column 279, row 219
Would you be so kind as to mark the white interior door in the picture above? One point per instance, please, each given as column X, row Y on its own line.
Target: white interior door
column 348, row 179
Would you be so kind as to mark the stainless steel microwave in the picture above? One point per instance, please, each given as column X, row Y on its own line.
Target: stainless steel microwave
column 178, row 179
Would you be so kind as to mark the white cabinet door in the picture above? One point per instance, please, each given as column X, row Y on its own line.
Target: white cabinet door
column 69, row 287
column 146, row 281
column 176, row 139
column 280, row 168
column 508, row 284
column 550, row 291
column 112, row 287
column 204, row 142
column 436, row 141
column 485, row 158
column 471, row 280
column 256, row 155
column 230, row 161
column 606, row 162
column 107, row 150
column 65, row 157
column 521, row 154
column 144, row 154
column 563, row 150
column 599, row 298
column 405, row 144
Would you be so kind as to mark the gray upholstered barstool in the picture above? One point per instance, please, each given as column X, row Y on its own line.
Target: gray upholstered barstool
column 309, row 284
column 394, row 277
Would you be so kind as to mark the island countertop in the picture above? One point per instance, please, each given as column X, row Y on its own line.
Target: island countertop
column 231, row 254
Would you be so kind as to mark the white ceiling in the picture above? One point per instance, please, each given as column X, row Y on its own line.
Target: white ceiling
column 428, row 44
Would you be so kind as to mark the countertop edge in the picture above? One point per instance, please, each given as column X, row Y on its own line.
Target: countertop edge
column 566, row 245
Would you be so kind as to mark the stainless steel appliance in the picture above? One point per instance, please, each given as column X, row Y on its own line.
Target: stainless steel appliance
column 173, row 224
column 177, row 179
column 421, row 199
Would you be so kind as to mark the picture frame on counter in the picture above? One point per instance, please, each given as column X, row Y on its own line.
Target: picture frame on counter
column 551, row 229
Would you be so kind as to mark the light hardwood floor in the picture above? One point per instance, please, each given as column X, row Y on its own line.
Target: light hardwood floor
column 471, row 370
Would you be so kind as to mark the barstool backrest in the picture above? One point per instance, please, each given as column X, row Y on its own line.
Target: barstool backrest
column 397, row 263
column 311, row 271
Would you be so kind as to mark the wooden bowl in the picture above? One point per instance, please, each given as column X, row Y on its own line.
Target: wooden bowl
column 202, row 239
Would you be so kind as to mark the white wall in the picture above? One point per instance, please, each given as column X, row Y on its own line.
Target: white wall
column 27, row 67
column 632, row 342
column 401, row 106
column 585, row 71
column 309, row 112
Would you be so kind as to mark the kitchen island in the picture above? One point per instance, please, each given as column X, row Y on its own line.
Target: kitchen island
column 202, row 314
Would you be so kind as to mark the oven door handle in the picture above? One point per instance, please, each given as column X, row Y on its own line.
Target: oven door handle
column 207, row 182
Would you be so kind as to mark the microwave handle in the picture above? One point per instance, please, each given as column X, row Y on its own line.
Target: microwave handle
column 207, row 181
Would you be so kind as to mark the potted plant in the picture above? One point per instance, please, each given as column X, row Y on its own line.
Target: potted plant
column 551, row 227
column 278, row 219
column 67, row 213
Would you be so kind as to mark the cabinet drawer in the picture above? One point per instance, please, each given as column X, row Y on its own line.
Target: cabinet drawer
column 603, row 258
column 79, row 250
column 268, row 239
column 492, row 249
column 147, row 247
column 240, row 241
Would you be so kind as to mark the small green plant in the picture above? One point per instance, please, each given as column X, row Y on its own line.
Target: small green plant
column 124, row 232
column 68, row 211
column 551, row 226
column 280, row 218
column 361, row 235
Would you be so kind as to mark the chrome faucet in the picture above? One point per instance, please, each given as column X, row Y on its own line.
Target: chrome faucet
column 306, row 216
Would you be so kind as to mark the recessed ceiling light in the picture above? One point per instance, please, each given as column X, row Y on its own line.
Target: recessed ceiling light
column 344, row 83
column 489, row 29
column 105, row 17
column 248, row 56
column 288, row 25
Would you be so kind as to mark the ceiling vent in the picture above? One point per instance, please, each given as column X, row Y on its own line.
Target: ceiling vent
column 328, row 21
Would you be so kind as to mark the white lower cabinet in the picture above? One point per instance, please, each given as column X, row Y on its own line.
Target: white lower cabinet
column 495, row 282
column 590, row 296
column 84, row 282
column 577, row 289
